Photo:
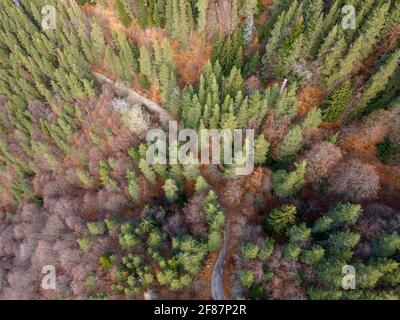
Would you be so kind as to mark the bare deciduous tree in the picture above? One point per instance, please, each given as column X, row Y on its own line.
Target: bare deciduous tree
column 355, row 181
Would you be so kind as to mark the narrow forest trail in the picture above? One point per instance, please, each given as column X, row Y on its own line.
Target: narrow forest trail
column 219, row 290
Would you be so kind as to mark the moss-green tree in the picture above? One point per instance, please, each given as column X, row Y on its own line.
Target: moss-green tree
column 132, row 185
column 313, row 255
column 291, row 143
column 261, row 147
column 170, row 189
column 280, row 218
column 246, row 278
column 287, row 184
column 124, row 12
column 291, row 252
column 249, row 250
column 387, row 244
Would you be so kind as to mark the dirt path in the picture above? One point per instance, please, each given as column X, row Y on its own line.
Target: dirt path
column 218, row 290
column 217, row 283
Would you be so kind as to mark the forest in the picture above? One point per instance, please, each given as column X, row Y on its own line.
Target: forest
column 82, row 82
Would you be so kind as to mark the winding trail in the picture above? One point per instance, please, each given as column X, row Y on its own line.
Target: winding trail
column 217, row 287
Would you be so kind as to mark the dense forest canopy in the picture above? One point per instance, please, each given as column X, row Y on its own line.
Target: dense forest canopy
column 83, row 82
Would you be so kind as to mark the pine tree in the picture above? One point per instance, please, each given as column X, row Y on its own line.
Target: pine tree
column 147, row 170
column 261, row 148
column 170, row 190
column 286, row 104
column 176, row 173
column 299, row 233
column 234, row 14
column 84, row 243
column 144, row 12
column 183, row 22
column 328, row 42
column 342, row 243
column 314, row 36
column 201, row 184
column 42, row 149
column 85, row 178
column 248, row 10
column 112, row 225
column 186, row 102
column 132, row 186
column 280, row 218
column 191, row 171
column 292, row 142
column 165, row 82
column 195, row 112
column 313, row 255
column 364, row 44
column 332, row 59
column 246, row 278
column 178, row 20
column 291, row 252
column 228, row 120
column 387, row 244
column 105, row 169
column 379, row 80
column 96, row 228
column 266, row 249
column 249, row 251
column 345, row 214
column 332, row 16
column 287, row 184
column 127, row 239
column 313, row 119
column 215, row 118
column 202, row 6
column 290, row 50
column 124, row 12
column 337, row 102
column 146, row 67
column 128, row 52
column 274, row 39
column 322, row 224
